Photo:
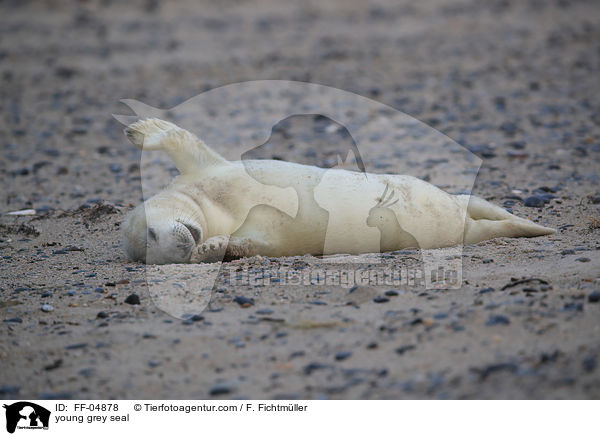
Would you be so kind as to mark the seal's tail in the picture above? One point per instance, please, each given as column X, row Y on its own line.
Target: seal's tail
column 188, row 152
column 487, row 221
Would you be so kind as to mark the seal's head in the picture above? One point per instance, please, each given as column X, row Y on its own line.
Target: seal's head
column 156, row 234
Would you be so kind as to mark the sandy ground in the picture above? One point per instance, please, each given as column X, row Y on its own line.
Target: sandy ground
column 515, row 82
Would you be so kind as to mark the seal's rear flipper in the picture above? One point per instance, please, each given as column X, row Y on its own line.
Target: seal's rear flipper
column 487, row 221
column 189, row 153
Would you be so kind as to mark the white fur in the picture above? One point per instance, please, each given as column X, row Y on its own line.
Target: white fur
column 219, row 208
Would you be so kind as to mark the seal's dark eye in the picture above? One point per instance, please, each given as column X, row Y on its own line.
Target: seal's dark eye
column 196, row 233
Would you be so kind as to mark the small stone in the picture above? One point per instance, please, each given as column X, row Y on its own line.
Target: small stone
column 15, row 320
column 9, row 390
column 102, row 315
column 589, row 363
column 381, row 300
column 314, row 366
column 46, row 294
column 76, row 346
column 498, row 320
column 47, row 308
column 566, row 252
column 343, row 355
column 244, row 302
column 486, row 290
column 573, row 307
column 583, row 259
column 594, row 297
column 100, row 291
column 534, row 201
column 133, row 299
column 487, row 260
column 403, row 349
column 221, row 389
column 392, row 293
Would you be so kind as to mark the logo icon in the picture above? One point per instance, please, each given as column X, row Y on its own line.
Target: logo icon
column 26, row 415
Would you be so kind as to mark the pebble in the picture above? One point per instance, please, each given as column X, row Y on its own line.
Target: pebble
column 133, row 299
column 244, row 301
column 534, row 201
column 573, row 307
column 583, row 259
column 52, row 396
column 46, row 294
column 486, row 290
column 47, row 308
column 594, row 297
column 76, row 346
column 381, row 300
column 15, row 320
column 343, row 355
column 498, row 320
column 314, row 366
column 221, row 389
column 566, row 252
column 392, row 293
column 9, row 390
column 589, row 363
column 403, row 349
column 102, row 315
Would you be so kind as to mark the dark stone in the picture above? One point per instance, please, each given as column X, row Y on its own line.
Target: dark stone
column 314, row 366
column 486, row 290
column 76, row 346
column 15, row 320
column 221, row 389
column 133, row 299
column 583, row 259
column 381, row 299
column 102, row 315
column 244, row 301
column 486, row 371
column 9, row 390
column 565, row 252
column 343, row 355
column 573, row 307
column 534, row 201
column 498, row 320
column 392, row 293
column 403, row 349
column 589, row 364
column 594, row 297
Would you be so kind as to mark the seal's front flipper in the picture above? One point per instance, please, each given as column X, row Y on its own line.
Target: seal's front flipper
column 226, row 248
column 189, row 153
